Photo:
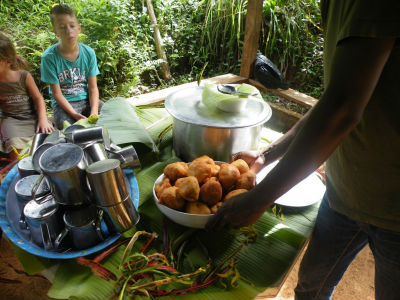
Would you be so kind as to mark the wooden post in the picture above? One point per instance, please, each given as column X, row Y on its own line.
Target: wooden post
column 159, row 43
column 251, row 36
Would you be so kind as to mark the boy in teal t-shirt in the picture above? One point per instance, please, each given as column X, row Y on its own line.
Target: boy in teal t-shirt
column 71, row 69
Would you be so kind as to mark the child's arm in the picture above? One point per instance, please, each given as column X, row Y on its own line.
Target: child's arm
column 43, row 125
column 93, row 95
column 63, row 102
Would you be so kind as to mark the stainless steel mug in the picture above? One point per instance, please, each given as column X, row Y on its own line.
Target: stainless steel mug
column 43, row 221
column 107, row 182
column 25, row 167
column 108, row 185
column 55, row 137
column 37, row 140
column 122, row 216
column 64, row 167
column 127, row 156
column 38, row 153
column 92, row 134
column 23, row 191
column 83, row 227
column 72, row 128
column 95, row 151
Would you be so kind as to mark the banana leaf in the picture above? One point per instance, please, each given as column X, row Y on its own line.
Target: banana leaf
column 262, row 264
column 124, row 126
column 158, row 123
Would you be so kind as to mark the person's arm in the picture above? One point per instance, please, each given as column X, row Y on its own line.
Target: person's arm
column 93, row 95
column 257, row 160
column 43, row 124
column 63, row 102
column 356, row 69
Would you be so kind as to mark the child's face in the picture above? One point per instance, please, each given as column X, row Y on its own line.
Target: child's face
column 67, row 28
column 4, row 65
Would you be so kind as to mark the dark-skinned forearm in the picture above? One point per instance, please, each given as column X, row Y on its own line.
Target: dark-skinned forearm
column 279, row 147
column 315, row 141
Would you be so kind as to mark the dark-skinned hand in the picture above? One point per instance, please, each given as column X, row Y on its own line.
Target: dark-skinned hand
column 241, row 210
column 255, row 159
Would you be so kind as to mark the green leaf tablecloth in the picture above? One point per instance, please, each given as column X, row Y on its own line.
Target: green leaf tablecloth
column 263, row 263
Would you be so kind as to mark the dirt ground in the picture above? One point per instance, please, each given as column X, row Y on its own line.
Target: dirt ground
column 357, row 284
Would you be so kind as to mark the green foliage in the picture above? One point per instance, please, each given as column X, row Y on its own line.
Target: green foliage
column 292, row 38
column 194, row 33
column 27, row 23
column 222, row 34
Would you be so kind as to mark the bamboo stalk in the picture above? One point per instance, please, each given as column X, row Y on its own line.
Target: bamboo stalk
column 159, row 43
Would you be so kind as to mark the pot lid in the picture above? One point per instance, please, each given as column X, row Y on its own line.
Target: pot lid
column 186, row 105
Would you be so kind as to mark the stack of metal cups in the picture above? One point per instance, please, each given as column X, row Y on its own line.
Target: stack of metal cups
column 73, row 192
column 109, row 190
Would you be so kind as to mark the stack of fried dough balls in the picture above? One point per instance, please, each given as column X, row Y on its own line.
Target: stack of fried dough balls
column 203, row 186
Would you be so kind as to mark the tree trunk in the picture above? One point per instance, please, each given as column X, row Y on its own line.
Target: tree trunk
column 251, row 36
column 166, row 75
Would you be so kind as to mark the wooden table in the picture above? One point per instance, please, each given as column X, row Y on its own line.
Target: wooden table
column 297, row 227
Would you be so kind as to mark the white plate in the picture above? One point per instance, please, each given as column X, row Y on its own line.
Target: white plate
column 307, row 192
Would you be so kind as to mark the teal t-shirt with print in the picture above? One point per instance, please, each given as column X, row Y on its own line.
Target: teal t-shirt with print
column 72, row 76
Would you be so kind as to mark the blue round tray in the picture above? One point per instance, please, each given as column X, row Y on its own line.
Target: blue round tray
column 9, row 216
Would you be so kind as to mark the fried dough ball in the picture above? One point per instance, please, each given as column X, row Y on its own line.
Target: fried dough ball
column 215, row 169
column 215, row 207
column 188, row 188
column 161, row 186
column 205, row 159
column 198, row 208
column 233, row 193
column 211, row 191
column 171, row 198
column 246, row 181
column 211, row 178
column 200, row 169
column 228, row 175
column 176, row 170
column 242, row 166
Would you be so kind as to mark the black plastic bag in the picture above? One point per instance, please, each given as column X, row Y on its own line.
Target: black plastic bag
column 268, row 74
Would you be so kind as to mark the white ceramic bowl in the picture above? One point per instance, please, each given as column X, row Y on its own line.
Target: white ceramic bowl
column 185, row 219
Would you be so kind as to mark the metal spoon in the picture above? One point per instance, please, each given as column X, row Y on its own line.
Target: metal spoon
column 231, row 90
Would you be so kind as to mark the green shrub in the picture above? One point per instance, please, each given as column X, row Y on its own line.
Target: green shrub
column 194, row 32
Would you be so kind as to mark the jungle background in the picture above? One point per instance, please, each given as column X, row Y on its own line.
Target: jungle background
column 197, row 35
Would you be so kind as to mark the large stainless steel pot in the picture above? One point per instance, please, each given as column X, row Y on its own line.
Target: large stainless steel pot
column 198, row 130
